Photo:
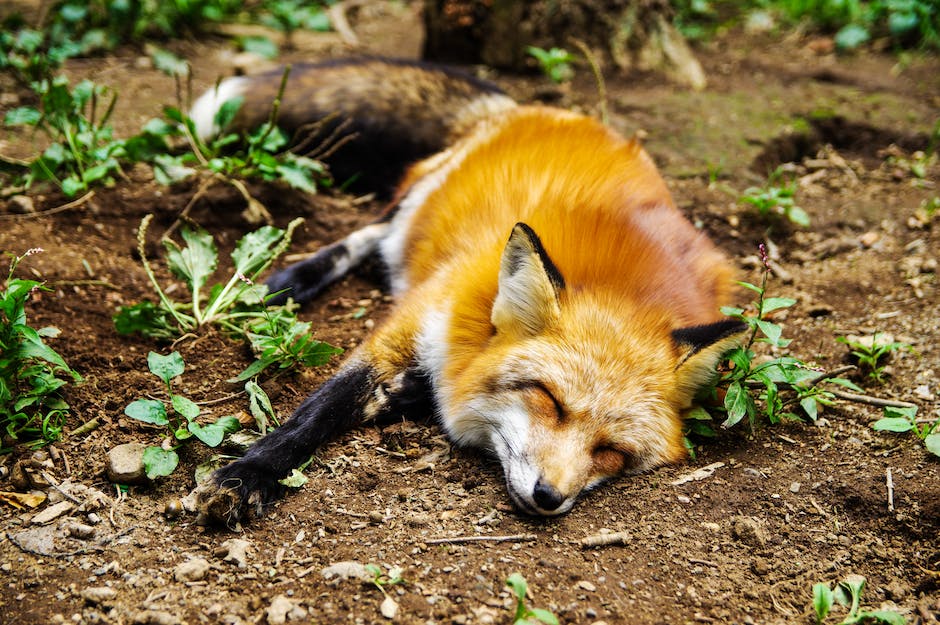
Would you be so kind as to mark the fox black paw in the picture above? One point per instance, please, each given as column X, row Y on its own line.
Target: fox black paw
column 234, row 493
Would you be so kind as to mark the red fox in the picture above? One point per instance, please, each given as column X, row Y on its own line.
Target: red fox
column 552, row 303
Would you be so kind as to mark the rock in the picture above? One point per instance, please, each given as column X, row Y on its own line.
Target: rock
column 235, row 550
column 586, row 585
column 79, row 530
column 99, row 595
column 52, row 513
column 194, row 570
column 346, row 570
column 283, row 609
column 749, row 530
column 22, row 204
column 126, row 464
column 389, row 608
column 155, row 617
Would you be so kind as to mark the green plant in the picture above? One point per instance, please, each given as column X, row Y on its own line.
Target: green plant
column 237, row 306
column 524, row 614
column 904, row 419
column 848, row 593
column 31, row 405
column 229, row 157
column 554, row 63
column 780, row 383
column 179, row 418
column 773, row 200
column 83, row 151
column 871, row 352
column 291, row 15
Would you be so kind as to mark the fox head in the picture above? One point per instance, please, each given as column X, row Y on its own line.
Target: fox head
column 578, row 385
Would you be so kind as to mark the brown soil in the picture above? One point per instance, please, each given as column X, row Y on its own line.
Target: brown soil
column 792, row 505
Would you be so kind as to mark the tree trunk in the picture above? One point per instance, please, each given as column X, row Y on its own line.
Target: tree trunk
column 632, row 35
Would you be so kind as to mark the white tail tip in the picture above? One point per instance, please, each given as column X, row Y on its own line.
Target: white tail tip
column 207, row 105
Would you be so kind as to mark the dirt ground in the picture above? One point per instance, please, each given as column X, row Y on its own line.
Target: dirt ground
column 789, row 505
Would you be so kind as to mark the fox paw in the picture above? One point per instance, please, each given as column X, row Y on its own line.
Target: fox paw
column 234, row 493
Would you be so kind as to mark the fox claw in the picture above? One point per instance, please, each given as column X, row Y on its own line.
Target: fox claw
column 235, row 493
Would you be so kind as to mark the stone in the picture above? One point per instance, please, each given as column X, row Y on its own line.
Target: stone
column 126, row 464
column 194, row 570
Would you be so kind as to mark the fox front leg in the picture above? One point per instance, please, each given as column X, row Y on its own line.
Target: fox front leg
column 355, row 394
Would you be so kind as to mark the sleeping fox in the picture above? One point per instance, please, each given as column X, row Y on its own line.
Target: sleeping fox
column 553, row 305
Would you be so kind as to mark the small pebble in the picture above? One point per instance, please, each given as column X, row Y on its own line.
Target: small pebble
column 795, row 487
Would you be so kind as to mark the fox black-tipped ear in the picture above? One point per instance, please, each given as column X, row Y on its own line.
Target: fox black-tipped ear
column 529, row 285
column 701, row 348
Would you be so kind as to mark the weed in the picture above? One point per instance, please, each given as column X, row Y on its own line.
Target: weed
column 380, row 580
column 83, row 151
column 238, row 306
column 780, row 383
column 229, row 157
column 871, row 352
column 179, row 417
column 904, row 419
column 774, row 200
column 31, row 404
column 848, row 593
column 554, row 63
column 524, row 614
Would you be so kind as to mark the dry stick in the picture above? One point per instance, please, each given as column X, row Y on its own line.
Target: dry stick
column 602, row 540
column 204, row 187
column 85, row 428
column 889, row 481
column 598, row 78
column 338, row 20
column 53, row 211
column 474, row 539
column 872, row 401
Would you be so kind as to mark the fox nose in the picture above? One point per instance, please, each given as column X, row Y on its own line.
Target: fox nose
column 547, row 497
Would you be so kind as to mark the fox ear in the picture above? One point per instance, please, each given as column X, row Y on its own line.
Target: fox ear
column 701, row 348
column 529, row 285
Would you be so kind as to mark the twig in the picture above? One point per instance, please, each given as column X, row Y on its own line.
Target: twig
column 338, row 20
column 889, row 482
column 872, row 401
column 204, row 187
column 598, row 78
column 474, row 539
column 55, row 484
column 699, row 474
column 397, row 454
column 103, row 283
column 219, row 400
column 86, row 427
column 602, row 540
column 53, row 211
column 705, row 562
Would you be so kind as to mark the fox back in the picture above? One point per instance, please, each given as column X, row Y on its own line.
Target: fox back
column 553, row 305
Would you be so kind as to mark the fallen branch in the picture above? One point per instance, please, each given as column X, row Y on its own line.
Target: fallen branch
column 475, row 539
column 872, row 401
column 53, row 211
column 603, row 540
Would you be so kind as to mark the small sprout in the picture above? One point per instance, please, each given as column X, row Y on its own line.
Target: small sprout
column 904, row 419
column 848, row 593
column 872, row 350
column 524, row 614
column 773, row 200
column 554, row 63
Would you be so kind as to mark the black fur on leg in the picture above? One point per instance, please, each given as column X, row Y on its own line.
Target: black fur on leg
column 251, row 483
column 305, row 280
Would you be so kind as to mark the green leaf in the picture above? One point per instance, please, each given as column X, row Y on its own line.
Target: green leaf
column 146, row 318
column 262, row 46
column 771, row 330
column 252, row 370
column 185, row 407
column 73, row 185
column 811, row 407
column 195, row 262
column 735, row 404
column 159, row 462
column 798, row 216
column 297, row 177
column 255, row 249
column 822, row 601
column 169, row 63
column 543, row 615
column 148, row 411
column 851, row 36
column 882, row 616
column 165, row 367
column 260, row 405
column 226, row 113
column 213, row 433
column 904, row 412
column 296, row 479
column 518, row 584
column 932, row 443
column 847, row 384
column 892, row 424
column 732, row 311
column 22, row 116
column 771, row 304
